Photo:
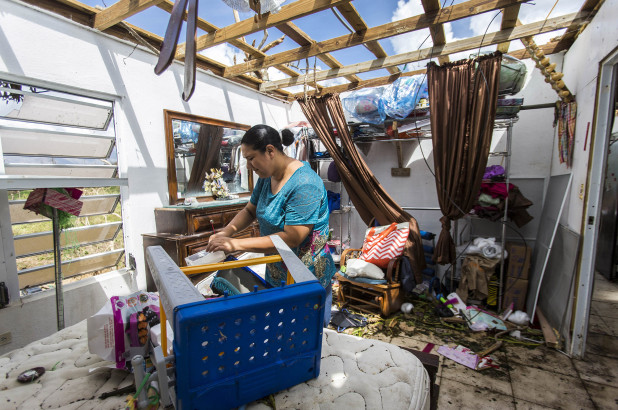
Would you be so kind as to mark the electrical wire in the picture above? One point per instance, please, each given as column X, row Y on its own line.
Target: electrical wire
column 345, row 24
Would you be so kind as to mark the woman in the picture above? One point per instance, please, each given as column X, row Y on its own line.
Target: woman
column 289, row 200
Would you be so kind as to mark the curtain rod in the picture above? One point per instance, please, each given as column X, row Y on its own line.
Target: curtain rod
column 537, row 106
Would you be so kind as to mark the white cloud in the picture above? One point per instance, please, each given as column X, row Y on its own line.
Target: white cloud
column 274, row 74
column 224, row 54
column 479, row 23
column 409, row 41
column 536, row 11
column 332, row 82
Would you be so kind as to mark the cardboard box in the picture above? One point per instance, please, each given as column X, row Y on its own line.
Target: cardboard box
column 519, row 260
column 515, row 291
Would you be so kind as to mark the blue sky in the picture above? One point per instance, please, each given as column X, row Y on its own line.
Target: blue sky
column 325, row 25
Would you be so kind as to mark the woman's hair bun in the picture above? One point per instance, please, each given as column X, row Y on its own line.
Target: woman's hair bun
column 287, row 137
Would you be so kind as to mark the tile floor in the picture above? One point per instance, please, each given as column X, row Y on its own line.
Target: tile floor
column 540, row 378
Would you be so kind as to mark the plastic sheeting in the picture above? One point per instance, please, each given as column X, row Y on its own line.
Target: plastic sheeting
column 397, row 100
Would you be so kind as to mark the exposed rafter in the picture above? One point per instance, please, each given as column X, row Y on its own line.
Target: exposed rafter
column 303, row 39
column 450, row 48
column 120, row 11
column 374, row 82
column 292, row 11
column 437, row 31
column 509, row 20
column 111, row 19
column 247, row 48
column 349, row 12
column 549, row 48
column 590, row 6
column 456, row 12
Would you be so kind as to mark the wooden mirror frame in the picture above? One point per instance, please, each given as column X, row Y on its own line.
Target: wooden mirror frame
column 172, row 182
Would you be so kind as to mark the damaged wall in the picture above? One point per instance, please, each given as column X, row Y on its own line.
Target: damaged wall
column 581, row 75
column 45, row 49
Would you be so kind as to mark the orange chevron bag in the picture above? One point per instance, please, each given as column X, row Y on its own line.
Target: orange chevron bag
column 383, row 243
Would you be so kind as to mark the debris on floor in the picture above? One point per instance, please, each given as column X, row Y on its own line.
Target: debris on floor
column 471, row 336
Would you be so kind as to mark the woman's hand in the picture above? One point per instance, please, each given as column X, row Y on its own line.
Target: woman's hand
column 218, row 242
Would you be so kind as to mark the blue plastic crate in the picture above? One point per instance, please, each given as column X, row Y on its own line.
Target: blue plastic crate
column 233, row 350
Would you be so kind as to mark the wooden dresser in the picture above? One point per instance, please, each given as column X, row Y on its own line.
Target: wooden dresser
column 185, row 230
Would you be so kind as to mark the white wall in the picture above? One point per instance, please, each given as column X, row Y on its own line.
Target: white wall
column 581, row 70
column 46, row 49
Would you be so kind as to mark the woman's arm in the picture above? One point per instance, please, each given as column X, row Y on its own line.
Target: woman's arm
column 292, row 235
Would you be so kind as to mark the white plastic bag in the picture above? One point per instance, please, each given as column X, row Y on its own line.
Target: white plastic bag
column 120, row 329
column 360, row 268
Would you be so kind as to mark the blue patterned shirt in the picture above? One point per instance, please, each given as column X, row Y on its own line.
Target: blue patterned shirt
column 301, row 201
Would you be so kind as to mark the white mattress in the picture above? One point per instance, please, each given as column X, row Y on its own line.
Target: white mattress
column 355, row 373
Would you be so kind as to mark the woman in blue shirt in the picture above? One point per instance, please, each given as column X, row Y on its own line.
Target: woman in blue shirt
column 289, row 200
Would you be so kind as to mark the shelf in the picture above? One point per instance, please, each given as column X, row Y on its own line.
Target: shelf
column 366, row 140
column 320, row 159
column 345, row 210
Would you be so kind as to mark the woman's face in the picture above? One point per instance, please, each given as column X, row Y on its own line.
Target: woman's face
column 260, row 162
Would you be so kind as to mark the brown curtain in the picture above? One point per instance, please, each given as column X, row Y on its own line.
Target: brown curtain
column 370, row 200
column 206, row 156
column 463, row 97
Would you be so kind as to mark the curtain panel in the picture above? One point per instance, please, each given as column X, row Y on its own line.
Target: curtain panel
column 371, row 201
column 463, row 97
column 206, row 156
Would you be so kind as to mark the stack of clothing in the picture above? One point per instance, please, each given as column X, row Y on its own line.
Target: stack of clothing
column 494, row 192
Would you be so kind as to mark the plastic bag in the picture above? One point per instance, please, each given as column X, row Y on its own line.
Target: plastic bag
column 512, row 75
column 120, row 329
column 364, row 105
column 401, row 97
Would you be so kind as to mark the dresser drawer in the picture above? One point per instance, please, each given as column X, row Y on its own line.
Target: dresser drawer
column 195, row 247
column 206, row 222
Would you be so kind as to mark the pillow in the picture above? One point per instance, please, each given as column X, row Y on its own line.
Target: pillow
column 363, row 269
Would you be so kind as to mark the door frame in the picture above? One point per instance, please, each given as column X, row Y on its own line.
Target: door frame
column 606, row 88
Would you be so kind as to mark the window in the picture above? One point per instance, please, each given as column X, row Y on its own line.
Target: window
column 61, row 140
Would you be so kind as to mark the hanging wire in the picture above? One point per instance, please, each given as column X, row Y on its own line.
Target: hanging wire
column 345, row 24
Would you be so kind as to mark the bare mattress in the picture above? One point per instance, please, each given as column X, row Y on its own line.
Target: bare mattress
column 355, row 373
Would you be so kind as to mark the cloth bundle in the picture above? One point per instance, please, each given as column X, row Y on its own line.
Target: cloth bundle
column 334, row 201
column 486, row 247
column 493, row 196
column 475, row 274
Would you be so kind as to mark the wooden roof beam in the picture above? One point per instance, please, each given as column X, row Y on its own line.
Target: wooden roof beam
column 549, row 48
column 349, row 12
column 120, row 11
column 303, row 39
column 374, row 82
column 84, row 15
column 456, row 12
column 590, row 6
column 167, row 5
column 297, row 9
column 471, row 43
column 437, row 32
column 509, row 20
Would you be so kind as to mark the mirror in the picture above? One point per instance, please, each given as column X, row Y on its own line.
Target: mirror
column 195, row 145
